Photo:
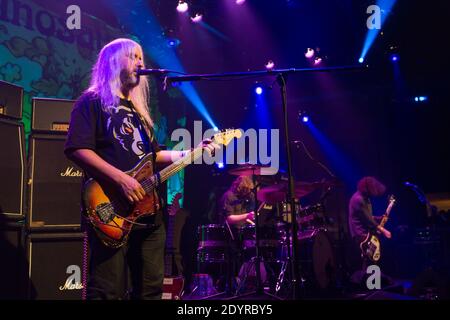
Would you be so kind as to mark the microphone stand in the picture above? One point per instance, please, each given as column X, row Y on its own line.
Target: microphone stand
column 280, row 75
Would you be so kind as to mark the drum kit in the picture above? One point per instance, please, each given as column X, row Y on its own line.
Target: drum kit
column 272, row 243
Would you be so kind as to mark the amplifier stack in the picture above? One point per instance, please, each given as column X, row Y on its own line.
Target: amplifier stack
column 42, row 246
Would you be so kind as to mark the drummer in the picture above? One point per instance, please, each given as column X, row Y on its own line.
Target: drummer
column 238, row 202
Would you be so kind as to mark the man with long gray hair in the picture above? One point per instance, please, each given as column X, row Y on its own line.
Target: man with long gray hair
column 110, row 132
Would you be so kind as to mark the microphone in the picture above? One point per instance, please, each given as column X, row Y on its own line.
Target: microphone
column 147, row 72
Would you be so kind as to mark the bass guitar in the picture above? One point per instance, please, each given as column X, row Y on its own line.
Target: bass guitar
column 371, row 246
column 110, row 213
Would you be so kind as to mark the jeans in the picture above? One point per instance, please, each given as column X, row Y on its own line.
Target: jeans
column 133, row 271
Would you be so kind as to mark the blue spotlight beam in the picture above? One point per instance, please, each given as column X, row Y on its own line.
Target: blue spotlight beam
column 385, row 6
column 214, row 31
column 342, row 165
column 142, row 22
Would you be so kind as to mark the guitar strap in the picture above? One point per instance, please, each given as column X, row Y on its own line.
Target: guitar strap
column 150, row 135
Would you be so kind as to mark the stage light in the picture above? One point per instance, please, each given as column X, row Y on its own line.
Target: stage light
column 420, row 99
column 220, row 165
column 303, row 116
column 198, row 17
column 361, row 60
column 239, row 2
column 182, row 7
column 270, row 65
column 309, row 53
column 394, row 57
column 317, row 61
column 173, row 43
column 216, row 129
column 258, row 90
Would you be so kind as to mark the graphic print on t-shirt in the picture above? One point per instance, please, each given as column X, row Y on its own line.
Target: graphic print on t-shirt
column 121, row 126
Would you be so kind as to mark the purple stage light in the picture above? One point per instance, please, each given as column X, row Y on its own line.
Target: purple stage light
column 317, row 61
column 239, row 2
column 198, row 17
column 182, row 7
column 270, row 65
column 309, row 53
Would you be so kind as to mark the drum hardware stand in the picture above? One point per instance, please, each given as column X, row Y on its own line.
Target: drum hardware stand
column 259, row 290
column 229, row 273
column 281, row 79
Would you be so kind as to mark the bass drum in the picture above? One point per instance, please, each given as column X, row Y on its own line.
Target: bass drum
column 316, row 256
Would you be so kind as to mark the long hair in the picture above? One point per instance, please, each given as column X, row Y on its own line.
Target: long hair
column 371, row 187
column 242, row 184
column 106, row 83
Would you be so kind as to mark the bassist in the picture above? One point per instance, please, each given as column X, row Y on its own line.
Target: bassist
column 361, row 219
column 110, row 132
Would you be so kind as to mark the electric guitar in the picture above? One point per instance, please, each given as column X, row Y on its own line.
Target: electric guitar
column 371, row 246
column 110, row 213
column 173, row 284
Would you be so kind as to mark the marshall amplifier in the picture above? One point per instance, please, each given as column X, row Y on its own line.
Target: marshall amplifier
column 12, row 169
column 55, row 266
column 11, row 97
column 51, row 115
column 54, row 184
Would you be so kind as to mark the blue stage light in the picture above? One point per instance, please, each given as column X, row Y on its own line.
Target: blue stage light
column 259, row 90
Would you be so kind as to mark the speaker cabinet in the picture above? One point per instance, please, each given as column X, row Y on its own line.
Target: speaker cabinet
column 13, row 261
column 11, row 97
column 54, row 185
column 12, row 169
column 51, row 115
column 55, row 266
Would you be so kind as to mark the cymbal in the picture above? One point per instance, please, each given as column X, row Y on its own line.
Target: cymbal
column 248, row 170
column 278, row 192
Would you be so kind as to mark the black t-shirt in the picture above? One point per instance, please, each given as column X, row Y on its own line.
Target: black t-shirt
column 360, row 219
column 119, row 137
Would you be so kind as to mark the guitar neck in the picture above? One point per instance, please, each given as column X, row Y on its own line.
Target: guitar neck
column 386, row 215
column 150, row 183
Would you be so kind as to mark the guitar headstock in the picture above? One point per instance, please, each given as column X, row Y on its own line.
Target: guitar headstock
column 392, row 199
column 226, row 136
